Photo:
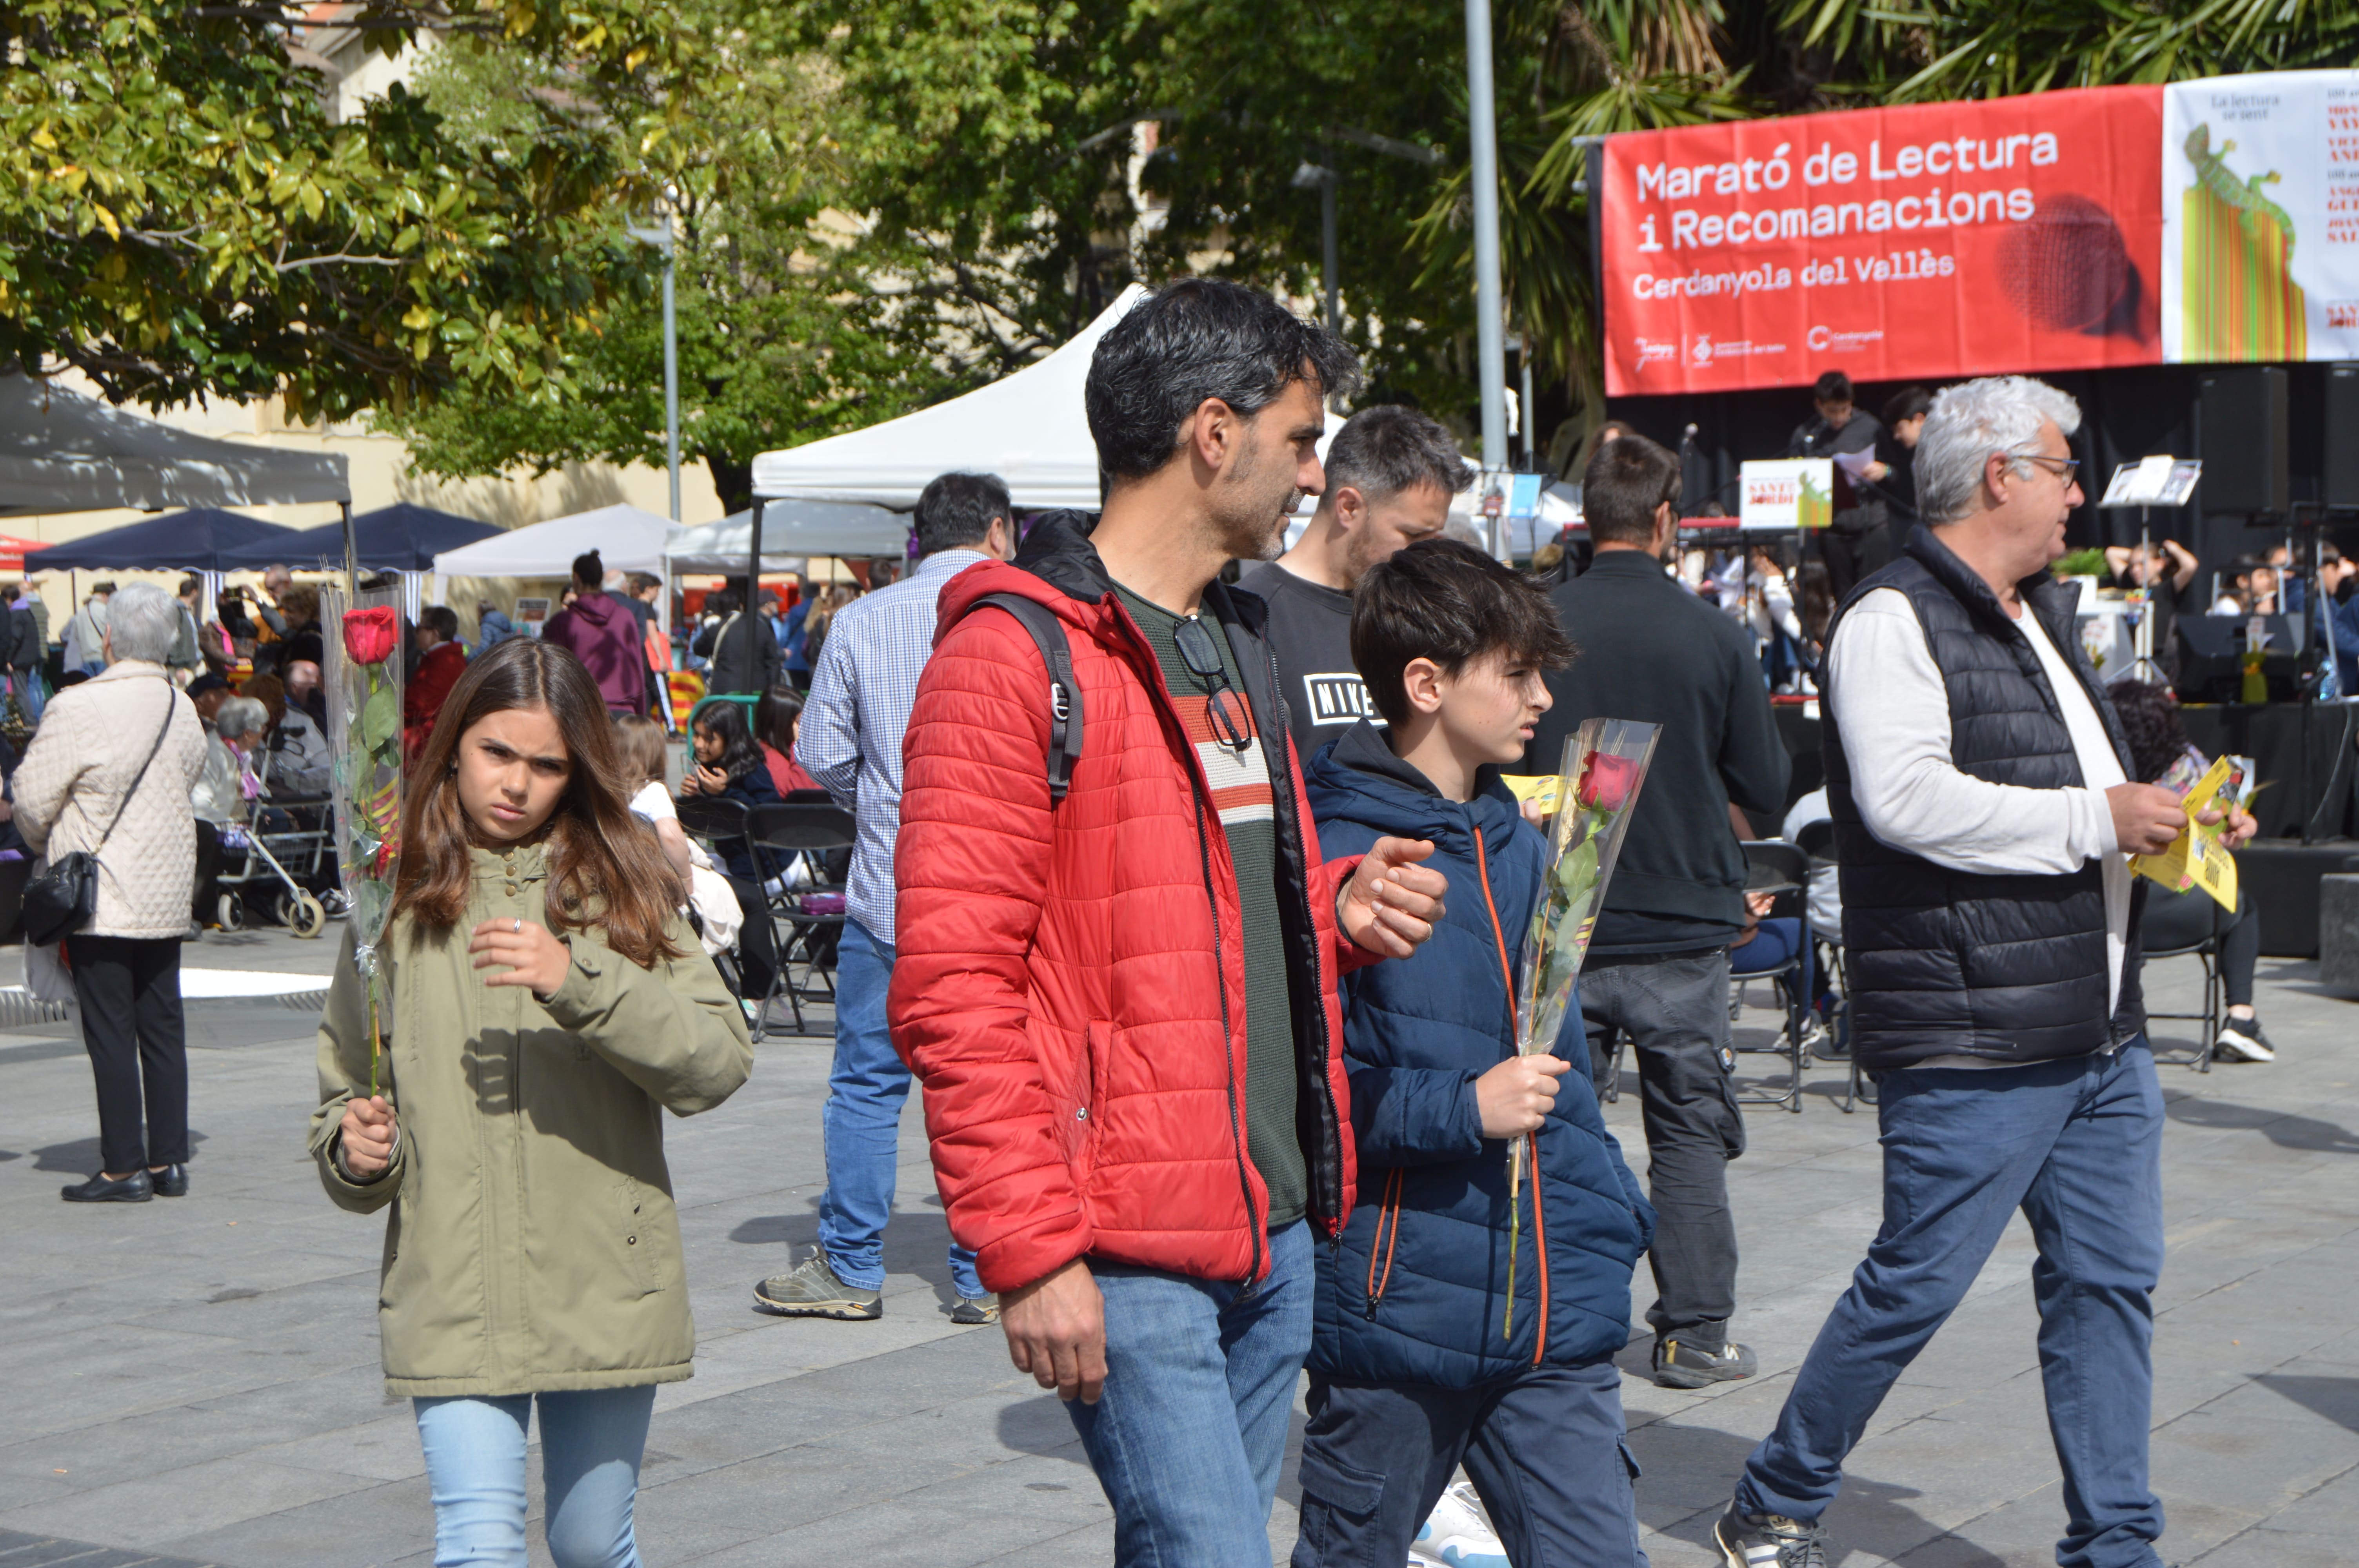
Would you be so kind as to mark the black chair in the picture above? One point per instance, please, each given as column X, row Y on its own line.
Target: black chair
column 1784, row 872
column 781, row 834
column 718, row 821
column 1817, row 840
column 2190, row 926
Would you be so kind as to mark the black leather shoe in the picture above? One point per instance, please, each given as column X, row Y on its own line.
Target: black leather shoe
column 133, row 1188
column 171, row 1182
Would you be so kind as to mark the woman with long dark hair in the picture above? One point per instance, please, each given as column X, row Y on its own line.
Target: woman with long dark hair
column 548, row 1001
column 727, row 765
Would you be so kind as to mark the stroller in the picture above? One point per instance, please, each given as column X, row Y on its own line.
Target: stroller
column 253, row 876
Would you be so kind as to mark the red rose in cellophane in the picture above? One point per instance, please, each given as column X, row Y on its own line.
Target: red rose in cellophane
column 1605, row 780
column 370, row 633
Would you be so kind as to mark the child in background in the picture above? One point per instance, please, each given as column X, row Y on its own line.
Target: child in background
column 1415, row 1364
column 727, row 765
column 642, row 744
column 550, row 1003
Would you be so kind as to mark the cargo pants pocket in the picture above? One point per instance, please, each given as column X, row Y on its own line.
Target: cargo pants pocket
column 1343, row 1516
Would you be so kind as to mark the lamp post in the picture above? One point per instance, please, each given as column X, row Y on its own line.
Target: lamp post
column 1307, row 176
column 1489, row 330
column 664, row 240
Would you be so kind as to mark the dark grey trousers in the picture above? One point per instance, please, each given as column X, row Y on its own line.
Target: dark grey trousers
column 1673, row 1008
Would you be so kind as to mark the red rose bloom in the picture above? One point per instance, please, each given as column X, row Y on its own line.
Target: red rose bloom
column 370, row 635
column 1605, row 780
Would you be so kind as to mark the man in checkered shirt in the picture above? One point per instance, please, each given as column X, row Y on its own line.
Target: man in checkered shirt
column 850, row 741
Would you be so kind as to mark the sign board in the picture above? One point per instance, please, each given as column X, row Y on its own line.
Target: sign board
column 1788, row 492
column 2213, row 221
column 2163, row 481
column 531, row 615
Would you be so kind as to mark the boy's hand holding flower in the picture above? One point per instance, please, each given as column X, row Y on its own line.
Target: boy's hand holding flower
column 533, row 956
column 1515, row 1097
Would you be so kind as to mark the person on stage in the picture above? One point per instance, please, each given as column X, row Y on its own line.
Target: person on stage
column 1981, row 789
column 1861, row 537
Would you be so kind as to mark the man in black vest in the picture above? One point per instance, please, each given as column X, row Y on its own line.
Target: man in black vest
column 1979, row 784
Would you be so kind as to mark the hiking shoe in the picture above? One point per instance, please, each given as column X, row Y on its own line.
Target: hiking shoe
column 972, row 1310
column 812, row 1289
column 1457, row 1534
column 1679, row 1365
column 1768, row 1540
column 2241, row 1040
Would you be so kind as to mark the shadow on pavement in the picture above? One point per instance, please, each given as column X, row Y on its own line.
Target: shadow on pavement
column 1870, row 1516
column 2285, row 1130
column 80, row 1156
column 2336, row 1399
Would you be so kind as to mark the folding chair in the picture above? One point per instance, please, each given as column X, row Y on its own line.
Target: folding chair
column 2205, row 950
column 1784, row 872
column 782, row 833
column 1817, row 840
column 717, row 822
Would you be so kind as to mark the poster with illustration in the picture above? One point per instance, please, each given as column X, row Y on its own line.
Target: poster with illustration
column 2260, row 217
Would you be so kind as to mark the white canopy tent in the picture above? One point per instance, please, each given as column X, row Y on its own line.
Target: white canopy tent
column 63, row 451
column 792, row 531
column 625, row 538
column 1028, row 428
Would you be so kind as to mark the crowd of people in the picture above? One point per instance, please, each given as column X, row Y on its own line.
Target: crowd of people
column 1194, row 904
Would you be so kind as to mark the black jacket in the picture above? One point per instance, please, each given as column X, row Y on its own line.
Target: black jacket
column 1946, row 963
column 745, row 656
column 1651, row 650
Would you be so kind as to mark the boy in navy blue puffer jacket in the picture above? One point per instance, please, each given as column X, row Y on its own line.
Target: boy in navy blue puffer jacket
column 1415, row 1365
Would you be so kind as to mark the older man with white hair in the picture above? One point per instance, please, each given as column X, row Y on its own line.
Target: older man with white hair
column 1979, row 783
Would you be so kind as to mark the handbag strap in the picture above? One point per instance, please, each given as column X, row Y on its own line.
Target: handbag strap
column 171, row 703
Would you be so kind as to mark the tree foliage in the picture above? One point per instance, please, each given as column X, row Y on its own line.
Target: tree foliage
column 180, row 217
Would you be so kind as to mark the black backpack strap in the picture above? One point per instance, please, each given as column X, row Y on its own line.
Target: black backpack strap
column 1064, row 691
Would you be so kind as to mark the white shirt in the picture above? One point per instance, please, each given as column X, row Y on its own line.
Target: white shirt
column 1896, row 731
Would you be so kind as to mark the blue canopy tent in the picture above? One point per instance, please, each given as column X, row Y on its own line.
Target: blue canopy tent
column 403, row 537
column 195, row 540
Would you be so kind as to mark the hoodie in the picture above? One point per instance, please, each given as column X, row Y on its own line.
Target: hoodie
column 601, row 633
column 1416, row 1291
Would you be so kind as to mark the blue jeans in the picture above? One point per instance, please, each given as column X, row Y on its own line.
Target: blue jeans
column 1544, row 1449
column 1190, row 1433
column 862, row 1122
column 2077, row 1145
column 590, row 1447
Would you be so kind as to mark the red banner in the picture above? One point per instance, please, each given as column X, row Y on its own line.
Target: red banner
column 1937, row 240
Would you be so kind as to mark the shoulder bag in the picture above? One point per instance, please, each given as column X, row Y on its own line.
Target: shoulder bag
column 64, row 897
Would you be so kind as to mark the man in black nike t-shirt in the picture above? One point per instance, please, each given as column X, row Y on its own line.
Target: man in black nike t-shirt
column 1390, row 474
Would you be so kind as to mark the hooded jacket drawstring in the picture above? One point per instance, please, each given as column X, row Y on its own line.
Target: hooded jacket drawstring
column 1531, row 1140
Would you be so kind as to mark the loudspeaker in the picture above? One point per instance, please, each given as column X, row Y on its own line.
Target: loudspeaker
column 2342, row 435
column 2245, row 463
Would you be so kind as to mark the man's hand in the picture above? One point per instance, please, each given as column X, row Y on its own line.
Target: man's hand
column 2241, row 827
column 2147, row 818
column 1391, row 903
column 1056, row 1331
column 364, row 1138
column 1513, row 1097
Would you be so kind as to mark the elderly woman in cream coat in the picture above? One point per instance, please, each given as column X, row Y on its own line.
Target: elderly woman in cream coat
column 109, row 773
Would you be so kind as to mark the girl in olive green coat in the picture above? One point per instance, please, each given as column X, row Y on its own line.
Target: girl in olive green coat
column 548, row 1004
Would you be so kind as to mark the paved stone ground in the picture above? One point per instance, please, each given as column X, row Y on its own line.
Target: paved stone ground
column 196, row 1381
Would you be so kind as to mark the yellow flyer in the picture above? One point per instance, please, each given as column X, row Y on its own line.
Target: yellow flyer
column 2197, row 857
column 1542, row 787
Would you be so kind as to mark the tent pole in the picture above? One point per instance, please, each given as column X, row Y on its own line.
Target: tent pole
column 352, row 555
column 752, row 609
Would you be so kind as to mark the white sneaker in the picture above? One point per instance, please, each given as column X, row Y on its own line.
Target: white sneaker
column 1458, row 1534
column 2241, row 1040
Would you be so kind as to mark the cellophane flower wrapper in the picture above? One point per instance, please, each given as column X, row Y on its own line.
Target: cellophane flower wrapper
column 363, row 679
column 1604, row 767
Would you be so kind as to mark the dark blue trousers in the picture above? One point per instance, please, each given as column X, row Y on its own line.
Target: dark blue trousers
column 1544, row 1449
column 2077, row 1145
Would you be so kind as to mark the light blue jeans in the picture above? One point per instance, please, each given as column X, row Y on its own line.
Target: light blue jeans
column 1190, row 1434
column 590, row 1447
column 862, row 1122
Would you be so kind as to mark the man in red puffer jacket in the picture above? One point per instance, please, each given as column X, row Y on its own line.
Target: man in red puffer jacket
column 1123, row 1005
